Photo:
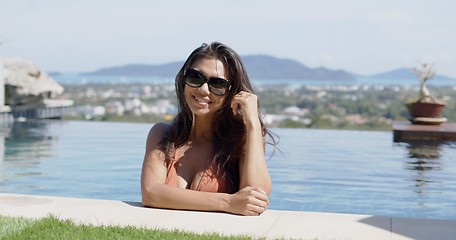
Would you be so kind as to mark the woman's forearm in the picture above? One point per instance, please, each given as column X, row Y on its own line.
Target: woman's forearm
column 248, row 201
column 254, row 169
column 163, row 196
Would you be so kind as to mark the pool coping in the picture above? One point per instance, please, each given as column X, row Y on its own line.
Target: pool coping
column 406, row 131
column 272, row 224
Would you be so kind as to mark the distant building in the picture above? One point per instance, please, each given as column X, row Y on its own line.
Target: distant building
column 295, row 111
column 116, row 108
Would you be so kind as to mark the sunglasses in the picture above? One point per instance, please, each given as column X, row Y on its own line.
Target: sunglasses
column 196, row 79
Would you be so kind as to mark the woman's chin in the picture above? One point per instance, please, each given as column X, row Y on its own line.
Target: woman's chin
column 201, row 112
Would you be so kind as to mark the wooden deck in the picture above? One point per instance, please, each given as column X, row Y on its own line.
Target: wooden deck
column 49, row 109
column 406, row 131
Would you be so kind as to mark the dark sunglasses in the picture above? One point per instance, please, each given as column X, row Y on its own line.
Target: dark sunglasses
column 196, row 79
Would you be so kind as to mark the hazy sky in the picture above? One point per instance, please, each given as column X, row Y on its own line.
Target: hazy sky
column 360, row 36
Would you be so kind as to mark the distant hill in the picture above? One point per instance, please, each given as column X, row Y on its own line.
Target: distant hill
column 267, row 67
column 405, row 73
column 263, row 67
column 258, row 67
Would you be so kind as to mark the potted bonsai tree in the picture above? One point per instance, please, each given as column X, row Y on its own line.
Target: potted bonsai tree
column 426, row 109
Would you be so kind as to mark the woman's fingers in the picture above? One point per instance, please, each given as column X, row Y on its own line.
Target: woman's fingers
column 247, row 102
column 262, row 194
column 251, row 201
column 237, row 102
column 234, row 107
column 256, row 210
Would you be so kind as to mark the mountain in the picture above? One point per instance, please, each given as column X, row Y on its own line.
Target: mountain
column 267, row 67
column 257, row 66
column 405, row 73
column 263, row 67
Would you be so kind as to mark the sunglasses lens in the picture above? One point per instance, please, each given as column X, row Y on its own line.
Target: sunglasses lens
column 218, row 86
column 193, row 79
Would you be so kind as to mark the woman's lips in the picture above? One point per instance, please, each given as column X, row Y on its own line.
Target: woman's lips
column 202, row 101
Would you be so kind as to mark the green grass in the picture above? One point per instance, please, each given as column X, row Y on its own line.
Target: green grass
column 53, row 228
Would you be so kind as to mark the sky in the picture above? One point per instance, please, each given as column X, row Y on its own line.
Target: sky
column 359, row 36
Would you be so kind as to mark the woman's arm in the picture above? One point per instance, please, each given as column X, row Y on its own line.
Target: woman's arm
column 253, row 167
column 155, row 193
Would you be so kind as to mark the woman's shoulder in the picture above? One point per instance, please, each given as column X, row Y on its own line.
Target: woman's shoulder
column 159, row 130
column 161, row 126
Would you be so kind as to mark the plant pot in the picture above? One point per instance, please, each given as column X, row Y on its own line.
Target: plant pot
column 425, row 109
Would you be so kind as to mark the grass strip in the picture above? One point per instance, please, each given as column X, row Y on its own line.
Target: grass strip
column 53, row 228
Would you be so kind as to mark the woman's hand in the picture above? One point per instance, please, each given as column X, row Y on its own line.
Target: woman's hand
column 249, row 201
column 248, row 104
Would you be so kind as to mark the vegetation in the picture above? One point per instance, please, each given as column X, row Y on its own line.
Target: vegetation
column 353, row 108
column 53, row 228
column 334, row 107
column 424, row 74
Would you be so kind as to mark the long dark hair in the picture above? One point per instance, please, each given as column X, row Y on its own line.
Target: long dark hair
column 228, row 129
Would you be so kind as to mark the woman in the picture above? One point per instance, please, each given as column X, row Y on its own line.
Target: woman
column 212, row 156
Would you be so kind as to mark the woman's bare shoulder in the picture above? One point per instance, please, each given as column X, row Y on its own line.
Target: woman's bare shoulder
column 161, row 127
column 158, row 131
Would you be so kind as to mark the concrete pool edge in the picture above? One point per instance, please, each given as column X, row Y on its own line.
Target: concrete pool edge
column 272, row 224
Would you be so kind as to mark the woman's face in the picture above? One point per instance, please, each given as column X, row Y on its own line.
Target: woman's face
column 200, row 100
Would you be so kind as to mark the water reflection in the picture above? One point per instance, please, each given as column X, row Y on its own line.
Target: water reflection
column 23, row 145
column 425, row 150
column 424, row 158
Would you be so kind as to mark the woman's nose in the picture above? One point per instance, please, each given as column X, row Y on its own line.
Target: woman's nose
column 204, row 89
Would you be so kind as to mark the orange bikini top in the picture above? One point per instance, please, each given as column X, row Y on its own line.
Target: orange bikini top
column 208, row 182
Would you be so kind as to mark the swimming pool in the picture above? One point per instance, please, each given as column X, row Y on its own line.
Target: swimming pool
column 317, row 170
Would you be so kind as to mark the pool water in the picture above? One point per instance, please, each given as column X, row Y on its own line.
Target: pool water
column 337, row 171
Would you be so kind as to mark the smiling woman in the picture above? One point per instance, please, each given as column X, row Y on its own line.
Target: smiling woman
column 212, row 156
